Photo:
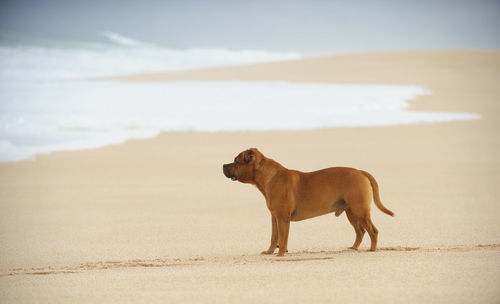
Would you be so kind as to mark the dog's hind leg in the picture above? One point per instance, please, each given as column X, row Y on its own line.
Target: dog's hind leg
column 360, row 232
column 366, row 223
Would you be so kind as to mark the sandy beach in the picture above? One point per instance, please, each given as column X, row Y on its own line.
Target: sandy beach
column 155, row 220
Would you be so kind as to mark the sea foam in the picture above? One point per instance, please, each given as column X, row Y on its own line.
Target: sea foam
column 83, row 114
column 47, row 105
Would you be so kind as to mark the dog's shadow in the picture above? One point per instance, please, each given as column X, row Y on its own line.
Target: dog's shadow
column 317, row 255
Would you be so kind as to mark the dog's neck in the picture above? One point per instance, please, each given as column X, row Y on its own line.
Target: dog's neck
column 266, row 170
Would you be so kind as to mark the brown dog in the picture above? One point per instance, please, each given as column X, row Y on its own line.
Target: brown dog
column 294, row 196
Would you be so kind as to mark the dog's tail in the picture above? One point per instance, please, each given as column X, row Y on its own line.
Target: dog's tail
column 376, row 195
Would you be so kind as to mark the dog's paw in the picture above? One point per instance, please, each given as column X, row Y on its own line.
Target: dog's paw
column 267, row 252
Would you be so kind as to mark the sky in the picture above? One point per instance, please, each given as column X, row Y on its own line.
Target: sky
column 309, row 27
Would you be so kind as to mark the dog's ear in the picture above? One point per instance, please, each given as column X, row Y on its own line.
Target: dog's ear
column 249, row 156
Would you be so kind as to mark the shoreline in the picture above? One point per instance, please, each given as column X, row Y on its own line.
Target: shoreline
column 417, row 105
column 350, row 70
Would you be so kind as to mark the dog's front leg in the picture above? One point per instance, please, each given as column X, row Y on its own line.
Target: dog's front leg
column 283, row 228
column 274, row 237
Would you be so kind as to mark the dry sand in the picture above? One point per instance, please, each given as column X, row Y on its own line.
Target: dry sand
column 156, row 221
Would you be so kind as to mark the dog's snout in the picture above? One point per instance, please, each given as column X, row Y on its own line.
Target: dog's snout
column 225, row 170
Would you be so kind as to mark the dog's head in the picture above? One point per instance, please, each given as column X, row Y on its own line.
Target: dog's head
column 243, row 167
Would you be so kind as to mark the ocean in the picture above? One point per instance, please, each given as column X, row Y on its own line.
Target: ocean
column 51, row 101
